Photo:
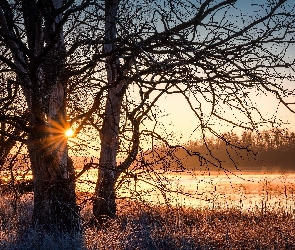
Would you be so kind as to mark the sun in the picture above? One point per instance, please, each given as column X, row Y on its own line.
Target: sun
column 69, row 132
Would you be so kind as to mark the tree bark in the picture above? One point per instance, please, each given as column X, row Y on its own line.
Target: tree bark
column 44, row 84
column 53, row 172
column 55, row 205
column 104, row 204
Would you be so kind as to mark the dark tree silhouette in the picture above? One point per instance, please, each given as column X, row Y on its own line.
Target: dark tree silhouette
column 33, row 62
column 103, row 65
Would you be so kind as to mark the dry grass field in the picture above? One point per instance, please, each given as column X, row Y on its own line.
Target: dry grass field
column 143, row 226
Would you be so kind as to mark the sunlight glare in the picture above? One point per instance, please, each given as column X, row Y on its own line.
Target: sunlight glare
column 69, row 132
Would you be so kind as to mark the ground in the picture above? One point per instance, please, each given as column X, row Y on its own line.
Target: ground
column 143, row 226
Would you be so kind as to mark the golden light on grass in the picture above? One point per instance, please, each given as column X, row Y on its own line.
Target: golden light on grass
column 69, row 132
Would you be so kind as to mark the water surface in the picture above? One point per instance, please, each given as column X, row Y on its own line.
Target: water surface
column 245, row 191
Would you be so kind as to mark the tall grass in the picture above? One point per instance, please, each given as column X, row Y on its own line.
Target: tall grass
column 143, row 226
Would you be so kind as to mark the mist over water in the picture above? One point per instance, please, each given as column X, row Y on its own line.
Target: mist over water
column 245, row 190
column 248, row 191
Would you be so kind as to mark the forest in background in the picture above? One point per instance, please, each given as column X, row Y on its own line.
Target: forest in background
column 267, row 150
column 261, row 151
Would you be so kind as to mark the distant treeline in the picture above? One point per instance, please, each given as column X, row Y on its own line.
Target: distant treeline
column 266, row 150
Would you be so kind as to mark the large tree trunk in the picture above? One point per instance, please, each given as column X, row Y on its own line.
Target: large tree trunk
column 55, row 205
column 104, row 205
column 53, row 172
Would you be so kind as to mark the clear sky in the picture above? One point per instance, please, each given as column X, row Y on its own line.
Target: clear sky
column 180, row 118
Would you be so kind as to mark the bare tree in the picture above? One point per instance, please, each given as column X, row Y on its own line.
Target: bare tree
column 210, row 52
column 33, row 58
column 105, row 64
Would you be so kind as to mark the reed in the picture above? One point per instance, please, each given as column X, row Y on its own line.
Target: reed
column 141, row 225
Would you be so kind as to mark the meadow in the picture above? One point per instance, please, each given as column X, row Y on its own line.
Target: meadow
column 143, row 225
